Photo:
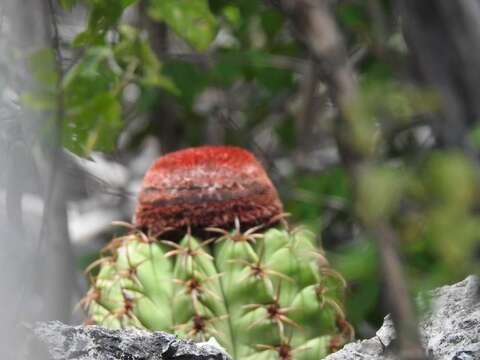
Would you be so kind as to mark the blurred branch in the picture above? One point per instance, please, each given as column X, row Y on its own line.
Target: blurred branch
column 379, row 23
column 307, row 117
column 157, row 31
column 61, row 264
column 163, row 116
column 316, row 28
column 444, row 42
column 276, row 61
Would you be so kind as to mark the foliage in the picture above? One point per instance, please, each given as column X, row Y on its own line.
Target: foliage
column 92, row 88
column 191, row 19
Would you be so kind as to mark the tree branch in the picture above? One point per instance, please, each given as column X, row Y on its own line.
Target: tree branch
column 52, row 266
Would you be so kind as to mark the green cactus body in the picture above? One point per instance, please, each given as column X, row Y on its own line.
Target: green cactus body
column 267, row 295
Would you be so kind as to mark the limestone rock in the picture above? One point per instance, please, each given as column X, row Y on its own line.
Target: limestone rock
column 98, row 343
column 450, row 330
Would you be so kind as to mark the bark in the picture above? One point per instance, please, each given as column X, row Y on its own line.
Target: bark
column 43, row 269
column 163, row 116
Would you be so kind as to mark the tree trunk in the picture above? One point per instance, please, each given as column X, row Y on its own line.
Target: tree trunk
column 40, row 262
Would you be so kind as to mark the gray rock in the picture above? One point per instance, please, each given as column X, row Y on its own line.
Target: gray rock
column 98, row 343
column 450, row 329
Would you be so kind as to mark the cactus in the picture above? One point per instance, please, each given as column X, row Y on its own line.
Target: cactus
column 210, row 254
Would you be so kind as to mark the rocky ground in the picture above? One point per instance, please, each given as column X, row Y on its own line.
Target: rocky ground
column 450, row 331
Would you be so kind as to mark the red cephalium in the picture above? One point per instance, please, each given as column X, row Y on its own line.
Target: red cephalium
column 203, row 187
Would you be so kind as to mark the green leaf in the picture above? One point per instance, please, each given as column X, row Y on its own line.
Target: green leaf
column 359, row 263
column 93, row 125
column 233, row 15
column 134, row 52
column 189, row 80
column 450, row 179
column 352, row 16
column 68, row 4
column 190, row 19
column 89, row 67
column 103, row 17
column 380, row 191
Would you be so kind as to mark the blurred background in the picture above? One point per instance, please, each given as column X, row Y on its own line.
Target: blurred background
column 364, row 113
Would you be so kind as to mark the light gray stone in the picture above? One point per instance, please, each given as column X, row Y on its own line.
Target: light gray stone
column 98, row 343
column 450, row 330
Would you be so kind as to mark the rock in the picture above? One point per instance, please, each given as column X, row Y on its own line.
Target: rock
column 98, row 343
column 375, row 348
column 450, row 329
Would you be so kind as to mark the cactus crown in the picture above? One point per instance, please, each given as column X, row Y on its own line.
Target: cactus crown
column 210, row 186
column 263, row 291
